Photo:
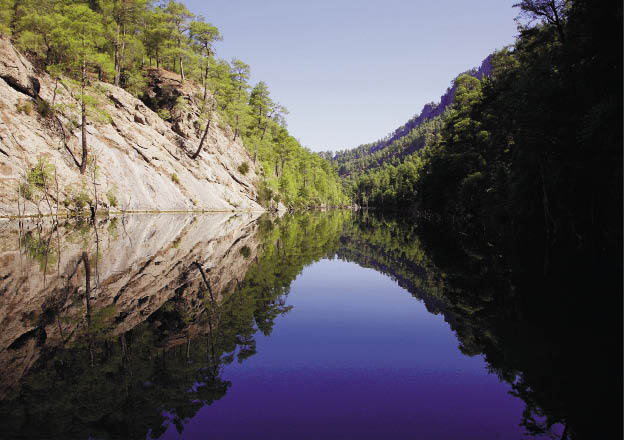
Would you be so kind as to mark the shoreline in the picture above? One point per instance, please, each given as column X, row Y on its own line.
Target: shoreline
column 117, row 213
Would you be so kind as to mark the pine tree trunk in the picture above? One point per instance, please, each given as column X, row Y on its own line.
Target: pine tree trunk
column 205, row 84
column 181, row 70
column 83, row 164
column 117, row 62
column 117, row 69
column 54, row 93
column 87, row 269
column 122, row 54
column 201, row 143
column 14, row 19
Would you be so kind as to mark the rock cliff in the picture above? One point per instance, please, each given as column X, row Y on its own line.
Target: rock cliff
column 144, row 161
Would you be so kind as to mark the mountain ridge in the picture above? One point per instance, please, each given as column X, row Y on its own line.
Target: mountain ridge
column 429, row 111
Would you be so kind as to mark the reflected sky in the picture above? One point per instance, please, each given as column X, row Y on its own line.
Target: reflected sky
column 358, row 357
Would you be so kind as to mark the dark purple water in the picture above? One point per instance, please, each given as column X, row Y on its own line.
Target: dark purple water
column 358, row 358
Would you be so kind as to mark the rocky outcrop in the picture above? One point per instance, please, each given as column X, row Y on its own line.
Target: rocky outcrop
column 48, row 299
column 16, row 71
column 143, row 160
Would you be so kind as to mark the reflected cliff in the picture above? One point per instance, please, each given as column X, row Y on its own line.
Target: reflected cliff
column 122, row 322
column 129, row 323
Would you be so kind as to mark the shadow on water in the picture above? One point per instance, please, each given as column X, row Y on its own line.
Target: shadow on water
column 122, row 328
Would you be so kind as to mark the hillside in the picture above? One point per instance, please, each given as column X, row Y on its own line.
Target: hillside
column 406, row 139
column 132, row 95
column 143, row 162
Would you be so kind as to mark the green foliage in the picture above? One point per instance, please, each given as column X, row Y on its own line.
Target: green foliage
column 175, row 179
column 81, row 200
column 44, row 108
column 388, row 177
column 180, row 108
column 245, row 251
column 25, row 107
column 77, row 199
column 164, row 114
column 41, row 174
column 266, row 194
column 37, row 180
column 25, row 190
column 6, row 16
column 38, row 248
column 134, row 81
column 112, row 198
column 112, row 227
column 243, row 168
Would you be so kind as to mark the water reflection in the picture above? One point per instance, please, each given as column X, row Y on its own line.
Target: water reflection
column 113, row 320
column 122, row 328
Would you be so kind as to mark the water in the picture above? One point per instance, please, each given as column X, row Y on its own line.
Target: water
column 328, row 325
column 358, row 356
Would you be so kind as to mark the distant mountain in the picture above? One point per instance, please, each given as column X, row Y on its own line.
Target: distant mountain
column 372, row 155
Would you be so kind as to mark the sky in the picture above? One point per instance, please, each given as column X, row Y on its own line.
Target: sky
column 351, row 71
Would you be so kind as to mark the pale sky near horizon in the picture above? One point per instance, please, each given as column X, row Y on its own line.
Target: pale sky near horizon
column 351, row 71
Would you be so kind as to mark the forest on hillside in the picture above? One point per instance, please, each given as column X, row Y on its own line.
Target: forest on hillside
column 80, row 42
column 404, row 140
column 532, row 152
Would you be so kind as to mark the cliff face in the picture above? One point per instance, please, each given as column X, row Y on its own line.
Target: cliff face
column 143, row 160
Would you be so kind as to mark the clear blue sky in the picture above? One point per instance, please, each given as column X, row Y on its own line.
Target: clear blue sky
column 351, row 71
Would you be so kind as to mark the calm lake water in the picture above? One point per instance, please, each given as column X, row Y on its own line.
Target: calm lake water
column 358, row 357
column 327, row 325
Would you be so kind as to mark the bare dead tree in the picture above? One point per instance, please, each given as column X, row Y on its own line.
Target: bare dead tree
column 93, row 169
column 56, row 184
column 206, row 283
column 65, row 144
column 237, row 123
column 203, row 138
column 45, row 184
column 19, row 197
column 97, row 255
